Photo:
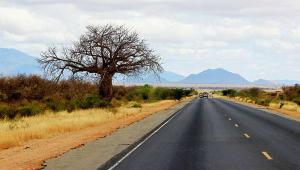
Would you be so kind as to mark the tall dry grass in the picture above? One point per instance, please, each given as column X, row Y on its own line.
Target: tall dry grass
column 17, row 132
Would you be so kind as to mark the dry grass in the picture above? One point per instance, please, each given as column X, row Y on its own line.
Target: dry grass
column 289, row 108
column 17, row 132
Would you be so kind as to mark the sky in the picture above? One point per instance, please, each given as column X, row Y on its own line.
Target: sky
column 255, row 38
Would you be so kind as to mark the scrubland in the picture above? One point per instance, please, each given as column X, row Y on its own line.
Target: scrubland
column 286, row 101
column 17, row 132
column 35, row 108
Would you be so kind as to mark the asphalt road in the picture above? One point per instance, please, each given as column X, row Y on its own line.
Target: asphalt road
column 218, row 134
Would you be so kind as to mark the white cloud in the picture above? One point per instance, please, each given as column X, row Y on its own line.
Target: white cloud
column 234, row 34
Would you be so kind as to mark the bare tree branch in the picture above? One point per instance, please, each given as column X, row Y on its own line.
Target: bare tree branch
column 104, row 51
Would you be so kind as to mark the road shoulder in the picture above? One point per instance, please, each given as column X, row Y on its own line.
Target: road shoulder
column 96, row 153
column 263, row 108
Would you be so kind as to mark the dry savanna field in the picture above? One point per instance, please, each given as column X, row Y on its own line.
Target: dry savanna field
column 31, row 140
column 19, row 131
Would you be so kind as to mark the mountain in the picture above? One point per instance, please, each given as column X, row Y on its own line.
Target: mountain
column 14, row 62
column 144, row 78
column 171, row 76
column 286, row 82
column 263, row 82
column 275, row 82
column 215, row 76
column 164, row 77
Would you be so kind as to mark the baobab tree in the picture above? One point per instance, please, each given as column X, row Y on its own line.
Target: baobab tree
column 102, row 51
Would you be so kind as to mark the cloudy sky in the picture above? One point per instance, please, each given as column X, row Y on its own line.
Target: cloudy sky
column 256, row 38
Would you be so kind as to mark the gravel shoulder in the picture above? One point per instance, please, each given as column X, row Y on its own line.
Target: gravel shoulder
column 96, row 153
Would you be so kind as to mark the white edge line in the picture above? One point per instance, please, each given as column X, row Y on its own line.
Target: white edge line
column 137, row 146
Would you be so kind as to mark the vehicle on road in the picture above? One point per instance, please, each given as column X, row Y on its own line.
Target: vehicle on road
column 204, row 95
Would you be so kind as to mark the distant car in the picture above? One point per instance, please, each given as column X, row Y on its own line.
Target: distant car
column 200, row 95
column 204, row 95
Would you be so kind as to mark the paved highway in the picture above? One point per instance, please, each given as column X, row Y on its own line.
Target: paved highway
column 218, row 134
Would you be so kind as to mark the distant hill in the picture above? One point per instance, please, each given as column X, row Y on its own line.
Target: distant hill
column 14, row 62
column 164, row 77
column 286, row 82
column 264, row 82
column 215, row 76
column 171, row 76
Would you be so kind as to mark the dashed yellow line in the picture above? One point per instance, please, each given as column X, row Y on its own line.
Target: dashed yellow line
column 267, row 155
column 246, row 135
column 236, row 125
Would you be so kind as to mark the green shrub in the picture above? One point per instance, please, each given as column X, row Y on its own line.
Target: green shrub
column 139, row 93
column 254, row 92
column 291, row 92
column 162, row 93
column 29, row 110
column 94, row 102
column 136, row 105
column 7, row 112
column 4, row 111
column 229, row 92
column 179, row 93
column 54, row 105
column 297, row 100
column 263, row 102
column 71, row 105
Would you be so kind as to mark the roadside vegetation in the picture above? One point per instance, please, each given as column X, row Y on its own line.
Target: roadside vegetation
column 288, row 98
column 19, row 131
column 33, row 108
column 32, row 95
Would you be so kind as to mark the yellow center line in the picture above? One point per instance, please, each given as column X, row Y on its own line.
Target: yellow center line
column 246, row 135
column 236, row 125
column 267, row 155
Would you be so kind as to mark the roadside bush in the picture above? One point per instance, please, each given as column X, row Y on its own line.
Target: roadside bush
column 119, row 92
column 292, row 93
column 254, row 92
column 7, row 111
column 136, row 105
column 4, row 111
column 229, row 93
column 139, row 92
column 29, row 110
column 179, row 93
column 297, row 100
column 54, row 105
column 161, row 93
column 94, row 102
column 263, row 102
column 72, row 105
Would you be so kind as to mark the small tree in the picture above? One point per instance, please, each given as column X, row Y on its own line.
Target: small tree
column 102, row 51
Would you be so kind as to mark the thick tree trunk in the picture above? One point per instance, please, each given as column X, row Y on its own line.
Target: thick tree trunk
column 105, row 87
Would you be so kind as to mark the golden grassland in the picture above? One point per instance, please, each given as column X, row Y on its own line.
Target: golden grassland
column 19, row 131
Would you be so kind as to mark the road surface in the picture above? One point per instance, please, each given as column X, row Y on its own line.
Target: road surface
column 217, row 134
